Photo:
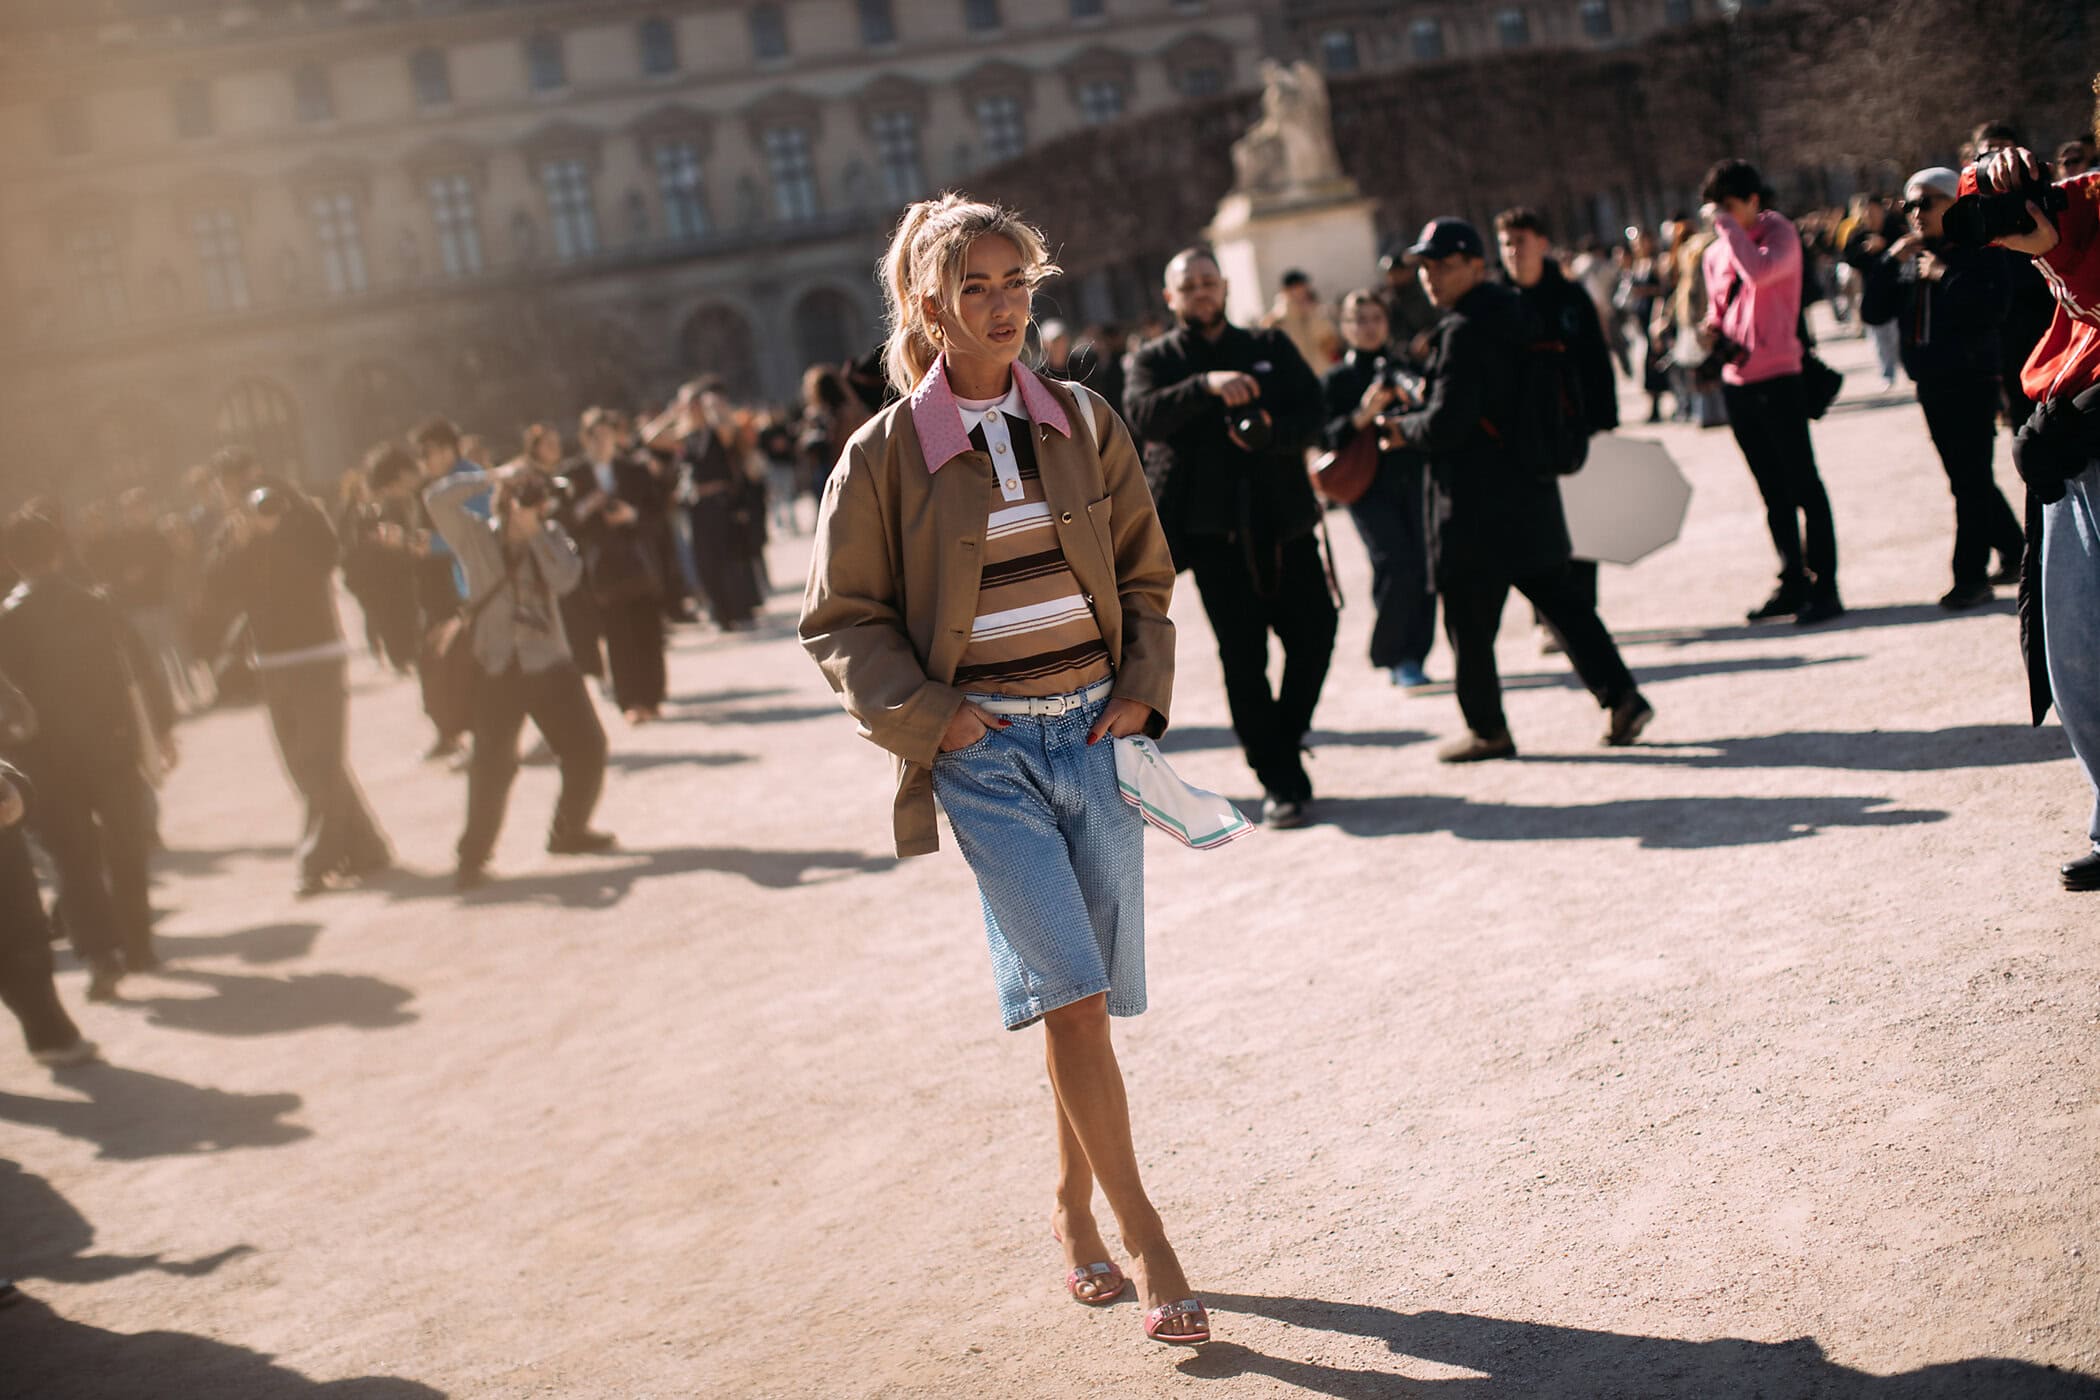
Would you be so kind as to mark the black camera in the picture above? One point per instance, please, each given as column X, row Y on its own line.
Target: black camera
column 1392, row 376
column 1977, row 219
column 269, row 502
column 1252, row 426
column 1725, row 353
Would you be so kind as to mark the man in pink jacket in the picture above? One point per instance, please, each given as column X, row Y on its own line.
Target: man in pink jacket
column 1753, row 277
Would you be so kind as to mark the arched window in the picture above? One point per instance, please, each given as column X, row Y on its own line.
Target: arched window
column 262, row 417
column 828, row 328
column 717, row 340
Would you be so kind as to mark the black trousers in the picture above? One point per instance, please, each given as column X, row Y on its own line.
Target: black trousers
column 634, row 652
column 1392, row 517
column 1772, row 429
column 1243, row 611
column 1473, row 601
column 310, row 714
column 91, row 816
column 1961, row 413
column 25, row 951
column 561, row 708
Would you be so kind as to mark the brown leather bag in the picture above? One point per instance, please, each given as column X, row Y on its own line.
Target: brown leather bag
column 1344, row 476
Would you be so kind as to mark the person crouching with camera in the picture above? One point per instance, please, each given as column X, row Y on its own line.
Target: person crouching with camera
column 1499, row 519
column 519, row 565
column 2009, row 200
column 1225, row 415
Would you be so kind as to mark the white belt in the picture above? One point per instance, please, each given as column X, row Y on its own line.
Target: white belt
column 1043, row 705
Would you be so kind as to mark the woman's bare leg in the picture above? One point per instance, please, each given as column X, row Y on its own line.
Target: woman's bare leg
column 1089, row 1088
column 1074, row 1216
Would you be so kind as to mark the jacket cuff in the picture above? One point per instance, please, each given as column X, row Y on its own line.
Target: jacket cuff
column 922, row 721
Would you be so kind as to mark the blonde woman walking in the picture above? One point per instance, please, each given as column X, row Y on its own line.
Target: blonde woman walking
column 989, row 598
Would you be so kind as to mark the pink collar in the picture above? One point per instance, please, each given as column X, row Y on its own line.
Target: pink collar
column 938, row 421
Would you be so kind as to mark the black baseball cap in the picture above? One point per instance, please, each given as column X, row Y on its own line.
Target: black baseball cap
column 1440, row 238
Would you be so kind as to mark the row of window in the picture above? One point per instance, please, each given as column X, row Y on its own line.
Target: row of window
column 567, row 183
column 1339, row 52
column 430, row 75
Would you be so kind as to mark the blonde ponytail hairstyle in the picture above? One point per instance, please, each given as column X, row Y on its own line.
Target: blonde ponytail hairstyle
column 927, row 256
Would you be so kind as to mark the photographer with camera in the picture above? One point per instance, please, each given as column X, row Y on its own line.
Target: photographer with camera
column 1753, row 276
column 1948, row 301
column 519, row 564
column 275, row 564
column 1225, row 415
column 1392, row 513
column 1499, row 519
column 2009, row 199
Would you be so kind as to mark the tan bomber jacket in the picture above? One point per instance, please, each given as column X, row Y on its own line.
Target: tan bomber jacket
column 899, row 552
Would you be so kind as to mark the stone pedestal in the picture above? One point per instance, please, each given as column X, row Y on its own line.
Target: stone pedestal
column 1328, row 231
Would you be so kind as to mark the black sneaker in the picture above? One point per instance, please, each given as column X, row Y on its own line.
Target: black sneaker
column 1475, row 748
column 1967, row 595
column 103, row 976
column 581, row 843
column 1786, row 600
column 2082, row 873
column 1628, row 718
column 1821, row 608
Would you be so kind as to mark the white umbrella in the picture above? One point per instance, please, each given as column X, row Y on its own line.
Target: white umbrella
column 1628, row 500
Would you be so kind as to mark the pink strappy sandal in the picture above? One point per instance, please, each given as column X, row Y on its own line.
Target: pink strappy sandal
column 1087, row 1273
column 1189, row 1308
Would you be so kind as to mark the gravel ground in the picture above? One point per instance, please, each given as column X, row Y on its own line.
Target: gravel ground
column 1755, row 1061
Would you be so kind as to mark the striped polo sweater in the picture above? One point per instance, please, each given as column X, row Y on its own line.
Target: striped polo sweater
column 1034, row 633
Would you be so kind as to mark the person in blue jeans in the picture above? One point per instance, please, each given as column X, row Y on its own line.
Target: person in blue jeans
column 989, row 597
column 2058, row 453
column 1392, row 515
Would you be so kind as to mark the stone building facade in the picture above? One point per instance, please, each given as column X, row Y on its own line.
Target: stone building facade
column 302, row 224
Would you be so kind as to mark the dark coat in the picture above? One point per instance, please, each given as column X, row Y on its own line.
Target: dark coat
column 282, row 579
column 1495, row 514
column 1950, row 327
column 624, row 562
column 1204, row 484
column 1565, row 312
column 75, row 659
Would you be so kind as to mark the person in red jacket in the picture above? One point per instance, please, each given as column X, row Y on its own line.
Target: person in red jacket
column 2058, row 453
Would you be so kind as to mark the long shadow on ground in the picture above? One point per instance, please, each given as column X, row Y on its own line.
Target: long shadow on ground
column 130, row 1114
column 58, row 1359
column 1864, row 751
column 608, row 880
column 49, row 1238
column 1535, row 1361
column 271, row 943
column 1854, row 620
column 245, row 1006
column 1188, row 738
column 1564, row 677
column 1659, row 823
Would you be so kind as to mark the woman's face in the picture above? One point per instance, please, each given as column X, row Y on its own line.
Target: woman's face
column 991, row 312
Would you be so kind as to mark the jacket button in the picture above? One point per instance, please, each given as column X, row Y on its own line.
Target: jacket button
column 1068, row 517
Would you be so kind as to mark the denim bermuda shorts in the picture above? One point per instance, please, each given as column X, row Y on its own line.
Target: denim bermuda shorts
column 1059, row 858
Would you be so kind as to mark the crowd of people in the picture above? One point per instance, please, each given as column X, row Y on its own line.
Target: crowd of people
column 502, row 589
column 995, row 550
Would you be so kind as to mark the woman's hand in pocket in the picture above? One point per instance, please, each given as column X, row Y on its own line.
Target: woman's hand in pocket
column 1120, row 719
column 971, row 723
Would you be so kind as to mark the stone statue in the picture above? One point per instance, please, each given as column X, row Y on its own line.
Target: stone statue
column 1292, row 147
